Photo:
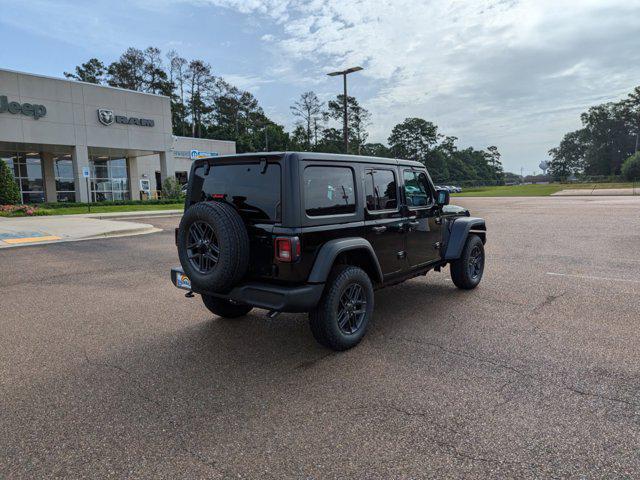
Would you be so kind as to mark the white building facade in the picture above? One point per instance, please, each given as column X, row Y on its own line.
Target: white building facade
column 68, row 141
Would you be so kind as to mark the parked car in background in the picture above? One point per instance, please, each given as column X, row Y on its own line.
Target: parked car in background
column 449, row 188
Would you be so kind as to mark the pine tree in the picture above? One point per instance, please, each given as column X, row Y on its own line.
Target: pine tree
column 9, row 190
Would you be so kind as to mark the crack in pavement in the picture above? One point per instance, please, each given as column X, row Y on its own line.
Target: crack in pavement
column 462, row 353
column 547, row 301
column 455, row 450
column 562, row 383
column 597, row 395
column 143, row 394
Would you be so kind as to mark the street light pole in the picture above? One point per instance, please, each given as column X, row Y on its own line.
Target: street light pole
column 345, row 128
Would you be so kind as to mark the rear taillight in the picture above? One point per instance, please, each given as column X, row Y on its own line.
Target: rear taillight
column 287, row 249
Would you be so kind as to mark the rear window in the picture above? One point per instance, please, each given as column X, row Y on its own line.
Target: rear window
column 256, row 195
column 329, row 190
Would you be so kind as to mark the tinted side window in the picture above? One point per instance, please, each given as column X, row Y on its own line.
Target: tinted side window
column 416, row 189
column 329, row 190
column 381, row 190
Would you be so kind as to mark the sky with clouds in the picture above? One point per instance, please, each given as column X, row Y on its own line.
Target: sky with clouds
column 511, row 73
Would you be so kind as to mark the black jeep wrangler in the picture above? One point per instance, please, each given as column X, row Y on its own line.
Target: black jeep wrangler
column 318, row 233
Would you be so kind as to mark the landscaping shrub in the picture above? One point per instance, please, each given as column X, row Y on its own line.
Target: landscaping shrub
column 21, row 211
column 171, row 188
column 164, row 201
column 9, row 190
column 631, row 167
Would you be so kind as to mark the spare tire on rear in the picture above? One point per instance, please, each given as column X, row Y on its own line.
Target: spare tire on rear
column 213, row 246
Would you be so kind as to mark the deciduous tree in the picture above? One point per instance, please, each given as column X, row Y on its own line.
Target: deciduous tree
column 309, row 109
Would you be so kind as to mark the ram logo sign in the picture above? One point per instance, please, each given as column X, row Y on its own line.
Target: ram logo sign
column 107, row 117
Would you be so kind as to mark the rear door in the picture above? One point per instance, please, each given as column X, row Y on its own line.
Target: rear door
column 383, row 220
column 422, row 233
column 253, row 186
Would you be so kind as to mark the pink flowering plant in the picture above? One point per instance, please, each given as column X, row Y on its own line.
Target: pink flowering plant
column 20, row 211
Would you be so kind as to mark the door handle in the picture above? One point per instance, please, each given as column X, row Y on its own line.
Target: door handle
column 379, row 229
column 413, row 223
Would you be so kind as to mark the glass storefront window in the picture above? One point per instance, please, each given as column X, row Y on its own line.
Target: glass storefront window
column 65, row 182
column 109, row 179
column 27, row 170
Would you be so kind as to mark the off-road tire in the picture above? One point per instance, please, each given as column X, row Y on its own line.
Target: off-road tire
column 463, row 273
column 324, row 318
column 224, row 308
column 233, row 243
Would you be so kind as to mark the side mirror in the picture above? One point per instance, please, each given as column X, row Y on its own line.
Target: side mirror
column 443, row 197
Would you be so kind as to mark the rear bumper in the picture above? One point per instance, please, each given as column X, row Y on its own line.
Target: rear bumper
column 263, row 295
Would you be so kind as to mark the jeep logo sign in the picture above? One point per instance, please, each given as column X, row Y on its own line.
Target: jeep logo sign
column 29, row 109
column 106, row 117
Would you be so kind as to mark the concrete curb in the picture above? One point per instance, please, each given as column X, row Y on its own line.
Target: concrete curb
column 137, row 213
column 143, row 229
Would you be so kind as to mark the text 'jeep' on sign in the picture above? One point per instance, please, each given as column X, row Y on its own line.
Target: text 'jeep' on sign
column 29, row 109
column 318, row 233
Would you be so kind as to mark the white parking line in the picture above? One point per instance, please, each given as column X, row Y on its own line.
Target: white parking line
column 589, row 277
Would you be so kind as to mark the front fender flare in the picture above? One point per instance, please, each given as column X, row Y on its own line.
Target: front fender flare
column 459, row 232
column 330, row 251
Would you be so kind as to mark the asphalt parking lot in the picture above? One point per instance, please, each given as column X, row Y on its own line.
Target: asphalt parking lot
column 106, row 370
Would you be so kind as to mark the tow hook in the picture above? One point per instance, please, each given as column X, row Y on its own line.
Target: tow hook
column 189, row 294
column 272, row 314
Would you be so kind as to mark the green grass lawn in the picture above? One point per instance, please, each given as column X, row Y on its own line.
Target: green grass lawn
column 109, row 209
column 116, row 208
column 535, row 190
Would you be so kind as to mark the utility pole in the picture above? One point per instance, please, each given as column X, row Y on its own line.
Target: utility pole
column 345, row 127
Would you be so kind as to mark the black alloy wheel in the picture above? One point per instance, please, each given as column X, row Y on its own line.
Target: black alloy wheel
column 352, row 309
column 203, row 251
column 467, row 271
column 475, row 262
column 345, row 309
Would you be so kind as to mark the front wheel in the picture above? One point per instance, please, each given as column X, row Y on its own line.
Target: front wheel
column 466, row 271
column 342, row 317
column 224, row 308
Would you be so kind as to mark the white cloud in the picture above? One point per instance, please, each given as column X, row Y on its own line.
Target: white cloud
column 245, row 82
column 511, row 72
column 515, row 73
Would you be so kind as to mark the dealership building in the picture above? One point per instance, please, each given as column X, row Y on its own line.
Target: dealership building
column 70, row 141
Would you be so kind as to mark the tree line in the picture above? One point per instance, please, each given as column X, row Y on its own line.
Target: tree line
column 610, row 134
column 204, row 105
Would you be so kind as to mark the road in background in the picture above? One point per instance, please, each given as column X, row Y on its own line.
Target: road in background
column 106, row 370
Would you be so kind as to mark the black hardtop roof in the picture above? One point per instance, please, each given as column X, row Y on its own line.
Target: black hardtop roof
column 334, row 157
